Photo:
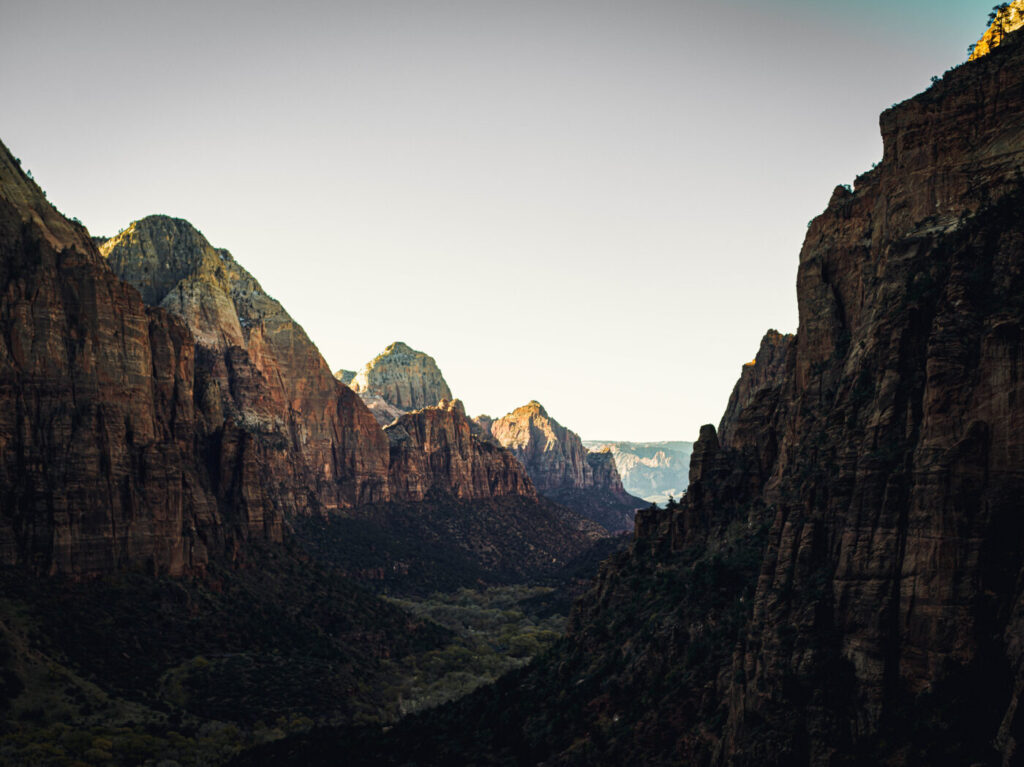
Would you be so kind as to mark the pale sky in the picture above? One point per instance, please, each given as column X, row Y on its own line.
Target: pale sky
column 598, row 205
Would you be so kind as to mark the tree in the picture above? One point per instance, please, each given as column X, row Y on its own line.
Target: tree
column 999, row 22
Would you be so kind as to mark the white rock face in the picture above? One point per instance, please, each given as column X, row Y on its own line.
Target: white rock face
column 403, row 377
column 651, row 470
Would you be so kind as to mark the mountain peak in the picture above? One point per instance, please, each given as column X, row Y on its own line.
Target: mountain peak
column 399, row 347
column 533, row 406
column 158, row 252
column 403, row 377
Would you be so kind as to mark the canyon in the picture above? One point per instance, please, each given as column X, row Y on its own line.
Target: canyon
column 401, row 384
column 199, row 522
column 841, row 583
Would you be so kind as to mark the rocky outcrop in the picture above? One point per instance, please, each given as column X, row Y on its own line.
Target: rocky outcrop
column 561, row 467
column 654, row 471
column 100, row 465
column 433, row 451
column 554, row 456
column 1004, row 20
column 292, row 439
column 403, row 377
column 382, row 411
column 604, row 474
column 345, row 376
column 766, row 372
column 881, row 453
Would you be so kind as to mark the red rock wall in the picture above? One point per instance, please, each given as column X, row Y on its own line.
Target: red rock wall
column 887, row 450
column 434, row 451
column 99, row 466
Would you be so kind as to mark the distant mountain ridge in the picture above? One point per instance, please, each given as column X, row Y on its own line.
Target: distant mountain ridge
column 561, row 466
column 396, row 380
column 654, row 471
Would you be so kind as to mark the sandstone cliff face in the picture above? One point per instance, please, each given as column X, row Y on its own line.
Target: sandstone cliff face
column 434, row 450
column 554, row 456
column 561, row 467
column 99, row 463
column 604, row 474
column 882, row 447
column 766, row 372
column 403, row 377
column 293, row 440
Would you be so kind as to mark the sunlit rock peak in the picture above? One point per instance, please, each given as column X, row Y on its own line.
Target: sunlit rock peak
column 1008, row 19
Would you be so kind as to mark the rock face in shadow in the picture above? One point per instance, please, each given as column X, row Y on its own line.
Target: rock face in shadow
column 881, row 449
column 100, row 465
column 301, row 441
column 561, row 467
column 319, row 441
column 766, row 372
column 158, row 436
column 843, row 583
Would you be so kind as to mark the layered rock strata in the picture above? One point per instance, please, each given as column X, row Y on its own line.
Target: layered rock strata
column 100, row 465
column 403, row 377
column 301, row 440
column 883, row 449
column 561, row 468
column 554, row 456
column 320, row 443
column 654, row 471
column 434, row 450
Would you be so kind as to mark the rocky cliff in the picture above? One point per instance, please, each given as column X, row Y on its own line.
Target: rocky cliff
column 292, row 439
column 554, row 456
column 155, row 436
column 318, row 441
column 843, row 583
column 433, row 450
column 765, row 372
column 99, row 462
column 403, row 377
column 561, row 467
column 879, row 455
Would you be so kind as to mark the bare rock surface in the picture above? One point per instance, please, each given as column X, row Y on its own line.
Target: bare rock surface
column 653, row 471
column 562, row 468
column 99, row 462
column 403, row 377
column 435, row 449
column 319, row 447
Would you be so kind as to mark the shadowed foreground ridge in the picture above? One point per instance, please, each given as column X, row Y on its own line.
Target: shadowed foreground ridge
column 843, row 582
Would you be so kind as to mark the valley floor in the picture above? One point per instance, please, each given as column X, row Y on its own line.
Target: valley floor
column 133, row 670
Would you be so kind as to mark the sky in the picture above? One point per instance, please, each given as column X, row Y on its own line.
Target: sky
column 598, row 205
